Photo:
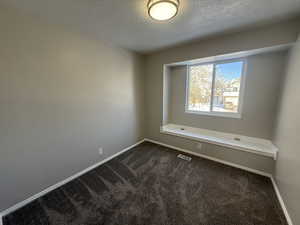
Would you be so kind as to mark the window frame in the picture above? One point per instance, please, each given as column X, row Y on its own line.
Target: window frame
column 238, row 114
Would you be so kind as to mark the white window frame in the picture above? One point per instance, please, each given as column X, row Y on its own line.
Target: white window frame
column 237, row 114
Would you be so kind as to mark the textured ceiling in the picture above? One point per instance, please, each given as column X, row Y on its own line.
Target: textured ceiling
column 126, row 23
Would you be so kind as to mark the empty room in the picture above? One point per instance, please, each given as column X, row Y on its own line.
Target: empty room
column 150, row 112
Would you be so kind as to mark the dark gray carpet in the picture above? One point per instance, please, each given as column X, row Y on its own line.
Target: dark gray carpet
column 149, row 185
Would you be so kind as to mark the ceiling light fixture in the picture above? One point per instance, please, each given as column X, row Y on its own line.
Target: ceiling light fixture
column 162, row 9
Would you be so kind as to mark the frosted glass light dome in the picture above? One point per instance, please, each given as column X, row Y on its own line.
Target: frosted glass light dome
column 162, row 9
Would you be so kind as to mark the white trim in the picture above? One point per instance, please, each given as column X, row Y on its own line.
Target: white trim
column 280, row 199
column 235, row 115
column 211, row 158
column 51, row 188
column 166, row 94
column 212, row 92
column 259, row 146
column 187, row 88
column 234, row 55
column 59, row 184
column 216, row 114
column 243, row 87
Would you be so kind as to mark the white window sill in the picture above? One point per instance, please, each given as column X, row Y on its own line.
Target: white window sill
column 238, row 142
column 216, row 114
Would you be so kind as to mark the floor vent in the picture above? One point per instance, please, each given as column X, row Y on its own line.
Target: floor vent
column 184, row 157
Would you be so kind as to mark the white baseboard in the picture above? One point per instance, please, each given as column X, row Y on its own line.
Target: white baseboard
column 59, row 184
column 280, row 199
column 211, row 158
column 51, row 188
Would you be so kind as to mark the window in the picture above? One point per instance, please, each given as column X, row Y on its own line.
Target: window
column 215, row 88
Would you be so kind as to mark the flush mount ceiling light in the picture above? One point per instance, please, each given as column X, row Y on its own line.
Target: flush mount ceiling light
column 162, row 9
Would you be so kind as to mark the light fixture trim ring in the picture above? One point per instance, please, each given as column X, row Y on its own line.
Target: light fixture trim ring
column 150, row 5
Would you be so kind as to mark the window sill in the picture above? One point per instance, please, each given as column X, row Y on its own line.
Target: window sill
column 238, row 142
column 216, row 114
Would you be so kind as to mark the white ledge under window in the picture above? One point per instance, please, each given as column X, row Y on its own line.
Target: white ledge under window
column 238, row 142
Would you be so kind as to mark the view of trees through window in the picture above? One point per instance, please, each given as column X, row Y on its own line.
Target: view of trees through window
column 215, row 87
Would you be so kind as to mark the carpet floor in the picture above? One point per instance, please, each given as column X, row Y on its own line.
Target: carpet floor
column 149, row 185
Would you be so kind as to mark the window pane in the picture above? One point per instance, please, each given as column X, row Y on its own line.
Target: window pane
column 200, row 85
column 227, row 87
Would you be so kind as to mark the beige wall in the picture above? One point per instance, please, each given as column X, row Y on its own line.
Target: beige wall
column 276, row 34
column 263, row 37
column 62, row 97
column 287, row 137
column 263, row 78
